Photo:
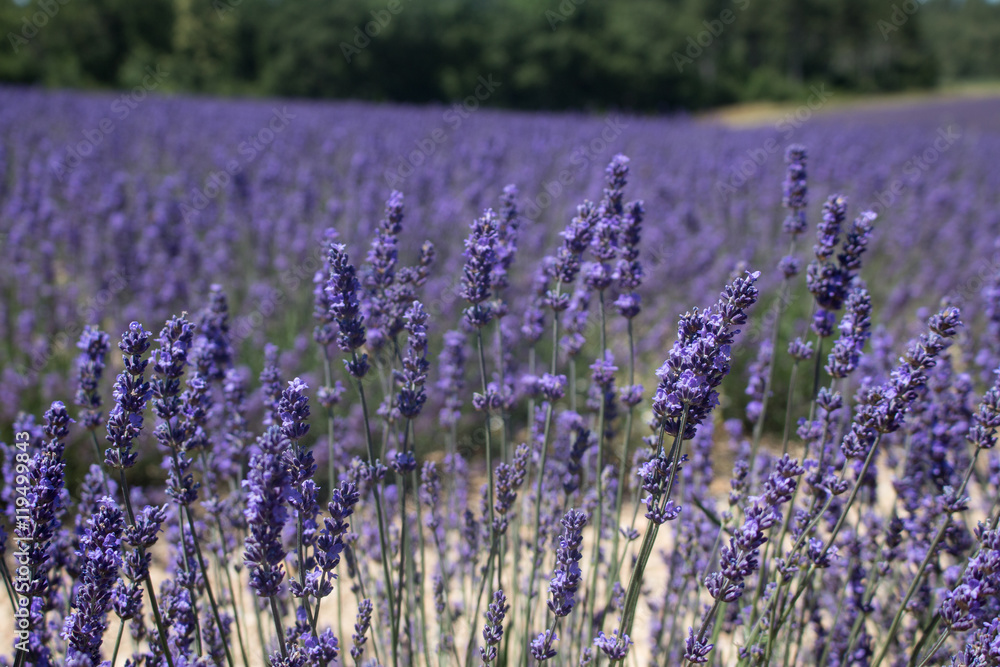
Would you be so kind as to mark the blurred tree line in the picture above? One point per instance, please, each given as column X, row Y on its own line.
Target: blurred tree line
column 546, row 54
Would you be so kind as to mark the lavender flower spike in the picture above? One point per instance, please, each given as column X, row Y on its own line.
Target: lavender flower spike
column 342, row 291
column 567, row 576
column 101, row 550
column 131, row 393
column 493, row 631
column 795, row 196
column 480, row 258
column 90, row 367
column 267, row 488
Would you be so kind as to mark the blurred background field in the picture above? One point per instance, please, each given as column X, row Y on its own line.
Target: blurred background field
column 641, row 55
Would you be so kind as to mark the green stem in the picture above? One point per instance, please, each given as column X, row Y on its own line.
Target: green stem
column 423, row 565
column 599, row 522
column 811, row 570
column 208, row 587
column 8, row 585
column 623, row 463
column 383, row 542
column 118, row 641
column 489, row 439
column 232, row 598
column 160, row 628
column 529, row 606
column 779, row 308
column 934, row 649
column 646, row 548
column 894, row 626
column 277, row 626
column 328, row 374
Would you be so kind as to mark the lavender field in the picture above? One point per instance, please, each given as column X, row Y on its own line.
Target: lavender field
column 302, row 384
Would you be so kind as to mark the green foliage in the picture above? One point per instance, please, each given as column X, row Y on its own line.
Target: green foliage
column 548, row 54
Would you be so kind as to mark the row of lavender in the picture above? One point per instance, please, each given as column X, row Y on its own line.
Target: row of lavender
column 855, row 543
column 119, row 210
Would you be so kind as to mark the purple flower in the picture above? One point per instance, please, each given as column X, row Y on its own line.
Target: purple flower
column 412, row 395
column 451, row 364
column 131, row 393
column 361, row 630
column 612, row 646
column 696, row 649
column 795, row 196
column 101, row 550
column 541, row 646
column 342, row 291
column 324, row 333
column 90, row 366
column 293, row 409
column 567, row 575
column 882, row 408
column 855, row 330
column 267, row 489
column 480, row 258
column 493, row 630
column 215, row 351
column 699, row 359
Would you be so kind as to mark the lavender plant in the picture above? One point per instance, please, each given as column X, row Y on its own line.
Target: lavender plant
column 450, row 526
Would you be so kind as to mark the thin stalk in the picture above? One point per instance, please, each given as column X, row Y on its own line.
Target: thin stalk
column 898, row 617
column 423, row 566
column 934, row 649
column 118, row 641
column 208, row 587
column 541, row 476
column 383, row 543
column 779, row 309
column 623, row 462
column 160, row 629
column 277, row 626
column 894, row 626
column 260, row 629
column 489, row 439
column 328, row 374
column 646, row 548
column 187, row 570
column 599, row 522
column 8, row 585
column 479, row 597
column 100, row 459
column 811, row 570
column 232, row 598
column 405, row 580
column 401, row 578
